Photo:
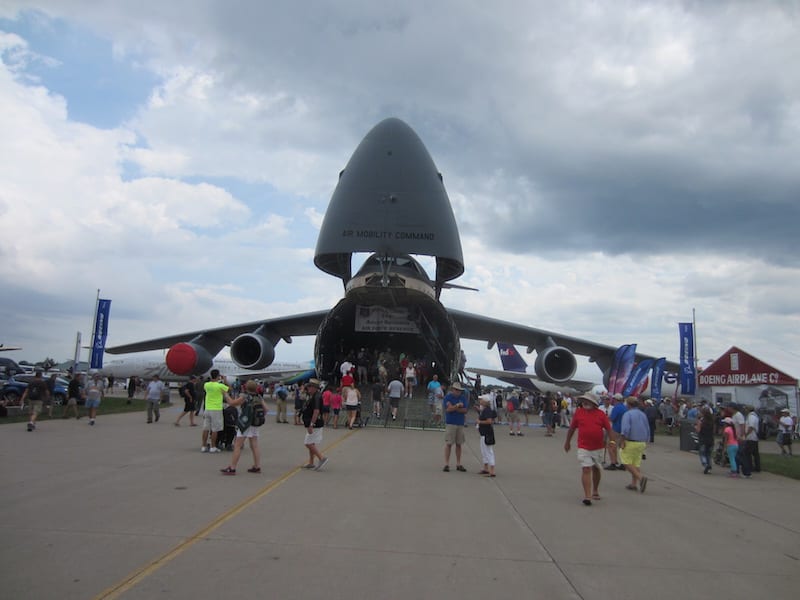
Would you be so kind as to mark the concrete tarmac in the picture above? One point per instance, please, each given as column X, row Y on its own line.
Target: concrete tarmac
column 131, row 510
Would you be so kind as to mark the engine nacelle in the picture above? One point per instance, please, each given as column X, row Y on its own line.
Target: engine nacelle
column 555, row 364
column 186, row 358
column 252, row 351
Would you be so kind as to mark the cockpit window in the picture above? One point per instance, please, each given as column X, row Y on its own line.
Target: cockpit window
column 403, row 262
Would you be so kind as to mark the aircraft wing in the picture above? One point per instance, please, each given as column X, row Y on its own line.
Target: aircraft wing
column 283, row 327
column 525, row 380
column 476, row 327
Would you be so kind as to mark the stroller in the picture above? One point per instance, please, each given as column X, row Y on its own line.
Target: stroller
column 359, row 422
column 228, row 434
column 721, row 454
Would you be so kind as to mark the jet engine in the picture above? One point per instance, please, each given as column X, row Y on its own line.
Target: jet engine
column 555, row 364
column 252, row 351
column 186, row 358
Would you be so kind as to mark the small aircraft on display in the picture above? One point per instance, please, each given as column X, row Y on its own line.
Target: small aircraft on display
column 391, row 202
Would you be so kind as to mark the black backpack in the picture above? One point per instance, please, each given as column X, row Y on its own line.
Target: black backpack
column 259, row 414
column 34, row 391
column 251, row 413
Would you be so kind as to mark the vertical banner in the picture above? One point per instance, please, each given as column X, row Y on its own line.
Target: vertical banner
column 688, row 374
column 623, row 365
column 100, row 333
column 658, row 376
column 637, row 376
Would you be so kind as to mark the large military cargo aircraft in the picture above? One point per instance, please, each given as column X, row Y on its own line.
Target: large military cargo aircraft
column 391, row 202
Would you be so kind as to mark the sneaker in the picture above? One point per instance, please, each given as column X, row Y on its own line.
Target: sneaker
column 446, row 469
column 228, row 471
column 254, row 470
column 321, row 464
column 31, row 426
column 91, row 421
column 309, row 466
column 214, row 450
column 520, row 434
column 706, row 470
column 611, row 467
column 204, row 449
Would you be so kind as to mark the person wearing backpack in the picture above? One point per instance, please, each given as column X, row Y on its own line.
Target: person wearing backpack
column 189, row 394
column 38, row 394
column 252, row 412
column 281, row 396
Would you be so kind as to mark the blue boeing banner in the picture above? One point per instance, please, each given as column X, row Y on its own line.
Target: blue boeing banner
column 688, row 373
column 658, row 376
column 100, row 333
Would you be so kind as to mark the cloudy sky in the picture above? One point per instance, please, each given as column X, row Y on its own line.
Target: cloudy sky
column 612, row 165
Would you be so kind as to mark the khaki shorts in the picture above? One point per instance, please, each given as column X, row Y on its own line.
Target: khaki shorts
column 454, row 434
column 213, row 421
column 590, row 458
column 36, row 407
column 313, row 438
column 631, row 454
column 250, row 432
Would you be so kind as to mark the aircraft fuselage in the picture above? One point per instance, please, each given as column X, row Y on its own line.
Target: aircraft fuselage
column 389, row 304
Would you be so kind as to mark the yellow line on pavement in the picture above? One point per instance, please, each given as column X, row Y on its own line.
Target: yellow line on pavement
column 140, row 574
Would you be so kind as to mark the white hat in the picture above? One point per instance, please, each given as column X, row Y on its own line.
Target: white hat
column 590, row 397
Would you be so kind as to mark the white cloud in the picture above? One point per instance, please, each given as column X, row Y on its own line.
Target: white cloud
column 612, row 166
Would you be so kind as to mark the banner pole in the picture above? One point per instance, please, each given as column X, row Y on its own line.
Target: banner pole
column 94, row 330
column 76, row 356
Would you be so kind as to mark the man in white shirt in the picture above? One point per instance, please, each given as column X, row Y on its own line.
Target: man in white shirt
column 395, row 390
column 751, row 459
column 152, row 397
column 785, row 432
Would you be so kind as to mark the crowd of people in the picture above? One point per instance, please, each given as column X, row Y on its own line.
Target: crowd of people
column 612, row 431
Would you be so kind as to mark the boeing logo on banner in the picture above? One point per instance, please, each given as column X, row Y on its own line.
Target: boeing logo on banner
column 100, row 333
column 688, row 373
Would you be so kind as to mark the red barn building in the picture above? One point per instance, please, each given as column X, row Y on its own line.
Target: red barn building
column 739, row 377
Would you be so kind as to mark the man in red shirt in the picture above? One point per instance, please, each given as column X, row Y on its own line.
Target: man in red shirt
column 591, row 424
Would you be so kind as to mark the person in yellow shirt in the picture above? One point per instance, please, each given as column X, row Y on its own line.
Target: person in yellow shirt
column 216, row 391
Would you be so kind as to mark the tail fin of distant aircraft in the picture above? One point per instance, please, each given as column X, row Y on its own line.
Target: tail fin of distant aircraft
column 511, row 359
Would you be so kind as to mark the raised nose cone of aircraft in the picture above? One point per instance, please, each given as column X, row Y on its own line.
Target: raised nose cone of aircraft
column 390, row 200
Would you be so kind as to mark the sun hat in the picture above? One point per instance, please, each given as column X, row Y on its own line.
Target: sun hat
column 590, row 397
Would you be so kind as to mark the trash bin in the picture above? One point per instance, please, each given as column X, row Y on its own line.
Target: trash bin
column 688, row 436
